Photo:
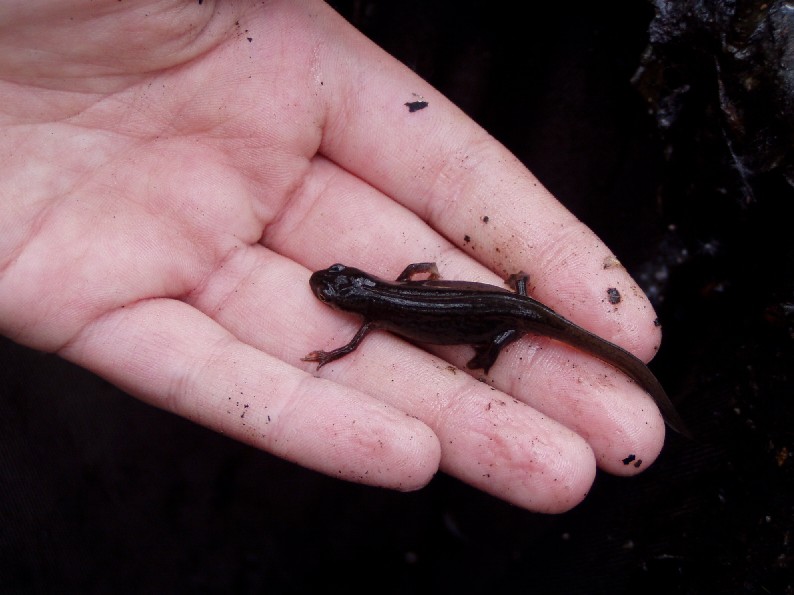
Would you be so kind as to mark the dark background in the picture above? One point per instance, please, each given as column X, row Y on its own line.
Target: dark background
column 99, row 493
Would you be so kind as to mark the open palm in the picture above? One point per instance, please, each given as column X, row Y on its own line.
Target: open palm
column 173, row 171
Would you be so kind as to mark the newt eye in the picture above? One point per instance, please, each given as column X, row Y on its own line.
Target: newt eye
column 336, row 268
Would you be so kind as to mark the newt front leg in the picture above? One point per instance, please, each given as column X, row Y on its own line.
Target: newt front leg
column 325, row 357
column 419, row 268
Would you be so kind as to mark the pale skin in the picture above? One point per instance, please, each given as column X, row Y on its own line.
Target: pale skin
column 167, row 187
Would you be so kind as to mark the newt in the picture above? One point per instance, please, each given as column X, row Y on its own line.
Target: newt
column 443, row 312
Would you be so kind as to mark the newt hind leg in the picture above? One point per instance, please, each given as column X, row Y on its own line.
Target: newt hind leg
column 485, row 354
column 518, row 282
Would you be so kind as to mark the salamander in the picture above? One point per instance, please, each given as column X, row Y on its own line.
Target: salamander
column 443, row 312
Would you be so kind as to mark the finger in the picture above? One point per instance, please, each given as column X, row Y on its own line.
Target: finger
column 593, row 399
column 488, row 439
column 452, row 174
column 172, row 356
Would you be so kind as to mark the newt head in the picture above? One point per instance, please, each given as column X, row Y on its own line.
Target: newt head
column 342, row 287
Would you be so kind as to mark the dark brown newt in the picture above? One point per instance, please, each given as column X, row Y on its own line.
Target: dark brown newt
column 443, row 312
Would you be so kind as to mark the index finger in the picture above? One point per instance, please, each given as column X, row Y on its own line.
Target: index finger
column 442, row 166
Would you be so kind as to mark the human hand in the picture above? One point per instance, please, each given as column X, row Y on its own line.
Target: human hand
column 172, row 173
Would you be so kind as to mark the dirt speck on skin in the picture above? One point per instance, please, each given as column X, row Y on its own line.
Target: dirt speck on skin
column 415, row 106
